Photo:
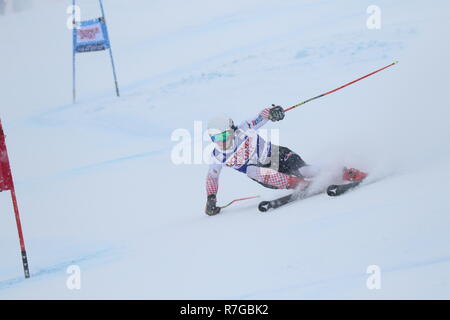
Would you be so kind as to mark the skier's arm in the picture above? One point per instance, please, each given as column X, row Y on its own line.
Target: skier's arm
column 257, row 122
column 212, row 179
column 212, row 186
column 274, row 113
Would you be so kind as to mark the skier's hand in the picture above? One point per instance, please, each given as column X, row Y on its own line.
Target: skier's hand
column 276, row 113
column 211, row 208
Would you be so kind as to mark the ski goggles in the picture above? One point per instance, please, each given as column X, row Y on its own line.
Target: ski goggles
column 223, row 136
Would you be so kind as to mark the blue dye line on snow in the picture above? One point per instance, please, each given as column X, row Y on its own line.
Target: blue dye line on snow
column 348, row 277
column 5, row 284
column 113, row 161
column 98, row 165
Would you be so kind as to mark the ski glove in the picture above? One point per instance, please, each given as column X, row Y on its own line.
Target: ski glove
column 276, row 113
column 211, row 208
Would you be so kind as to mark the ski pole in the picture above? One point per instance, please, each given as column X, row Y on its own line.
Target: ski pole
column 236, row 200
column 345, row 85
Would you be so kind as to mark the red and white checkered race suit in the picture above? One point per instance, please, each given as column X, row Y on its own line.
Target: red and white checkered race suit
column 248, row 152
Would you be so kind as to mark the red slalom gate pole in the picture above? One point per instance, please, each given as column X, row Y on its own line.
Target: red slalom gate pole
column 345, row 85
column 23, row 250
column 6, row 183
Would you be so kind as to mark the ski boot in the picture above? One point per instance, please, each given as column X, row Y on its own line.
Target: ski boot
column 298, row 184
column 353, row 175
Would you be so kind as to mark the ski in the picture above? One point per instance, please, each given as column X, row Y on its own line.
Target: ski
column 279, row 202
column 333, row 190
column 266, row 205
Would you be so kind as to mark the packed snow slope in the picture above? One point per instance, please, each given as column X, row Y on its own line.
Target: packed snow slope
column 98, row 188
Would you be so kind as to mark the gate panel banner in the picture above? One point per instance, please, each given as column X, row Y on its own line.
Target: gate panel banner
column 5, row 171
column 91, row 35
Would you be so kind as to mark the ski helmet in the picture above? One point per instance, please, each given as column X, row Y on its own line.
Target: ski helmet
column 220, row 124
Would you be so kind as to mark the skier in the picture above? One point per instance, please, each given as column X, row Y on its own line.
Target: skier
column 243, row 149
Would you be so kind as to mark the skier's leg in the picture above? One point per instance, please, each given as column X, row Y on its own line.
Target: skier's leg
column 288, row 161
column 291, row 163
column 273, row 179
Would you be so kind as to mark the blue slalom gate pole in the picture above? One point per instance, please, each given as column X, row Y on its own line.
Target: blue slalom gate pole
column 74, row 34
column 110, row 53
